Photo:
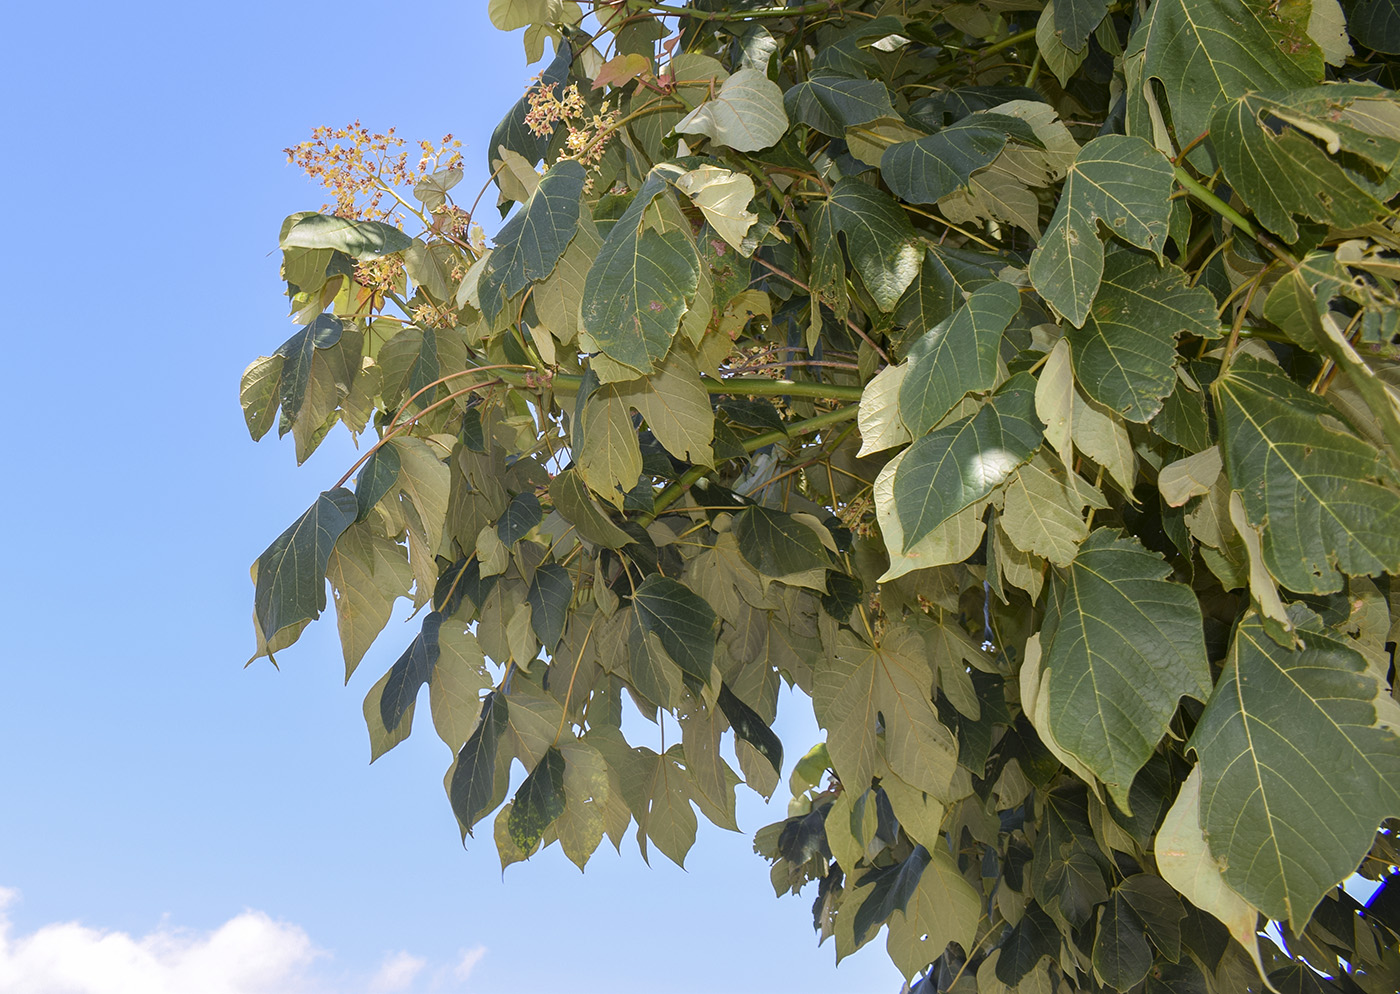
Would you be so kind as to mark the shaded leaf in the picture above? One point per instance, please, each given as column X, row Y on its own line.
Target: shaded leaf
column 549, row 596
column 683, row 621
column 521, row 514
column 529, row 245
column 290, row 575
column 1121, row 954
column 925, row 170
column 538, row 802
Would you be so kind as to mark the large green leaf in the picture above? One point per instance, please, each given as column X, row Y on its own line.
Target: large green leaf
column 290, row 575
column 831, row 102
column 1205, row 52
column 1121, row 954
column 856, row 685
column 1300, row 761
column 879, row 238
column 472, row 785
column 1075, row 21
column 361, row 240
column 367, row 572
column 529, row 245
column 676, row 407
column 512, row 132
column 1125, row 354
column 538, row 802
column 956, row 357
column 1122, row 645
column 1121, row 181
column 925, row 170
column 943, row 908
column 682, row 620
column 959, row 464
column 776, row 544
column 746, row 114
column 640, row 285
column 1324, row 499
column 410, row 672
column 1269, row 151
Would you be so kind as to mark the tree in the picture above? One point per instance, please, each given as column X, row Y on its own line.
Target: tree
column 1018, row 382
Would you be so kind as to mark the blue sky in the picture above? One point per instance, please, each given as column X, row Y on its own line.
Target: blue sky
column 172, row 821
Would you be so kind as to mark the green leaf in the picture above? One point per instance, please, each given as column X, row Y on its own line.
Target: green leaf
column 1376, row 24
column 654, row 675
column 1125, row 354
column 640, row 285
column 857, row 684
column 1286, row 826
column 521, row 514
column 605, row 445
column 426, row 483
column 300, row 357
column 1318, row 493
column 511, row 14
column 512, row 132
column 1300, row 304
column 1120, row 181
column 367, row 572
column 1044, row 510
column 943, row 908
column 1206, row 53
column 408, row 674
column 377, row 477
column 529, row 245
column 957, row 357
column 925, row 170
column 1121, row 954
column 1159, row 907
column 891, row 888
column 830, row 102
column 571, row 499
column 549, row 596
column 1075, row 20
column 361, row 240
column 683, row 621
column 879, row 238
column 430, row 267
column 538, row 802
column 1034, row 938
column 259, row 393
column 290, row 575
column 746, row 114
column 1122, row 645
column 587, row 791
column 382, row 739
column 676, row 407
column 456, row 685
column 959, row 464
column 751, row 728
column 776, row 544
column 1268, row 150
column 1185, row 861
column 946, row 276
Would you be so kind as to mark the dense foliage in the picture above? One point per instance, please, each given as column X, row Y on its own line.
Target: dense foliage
column 1019, row 382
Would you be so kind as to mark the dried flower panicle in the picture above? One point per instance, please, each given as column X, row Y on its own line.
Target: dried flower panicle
column 434, row 316
column 382, row 274
column 360, row 167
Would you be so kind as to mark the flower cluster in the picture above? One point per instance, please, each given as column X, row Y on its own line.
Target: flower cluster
column 359, row 167
column 434, row 316
column 588, row 136
column 380, row 274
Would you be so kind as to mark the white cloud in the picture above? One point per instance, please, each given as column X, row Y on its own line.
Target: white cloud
column 468, row 963
column 397, row 972
column 249, row 954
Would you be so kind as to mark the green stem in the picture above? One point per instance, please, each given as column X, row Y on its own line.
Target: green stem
column 1005, row 43
column 673, row 492
column 748, row 386
column 743, row 15
column 1198, row 190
